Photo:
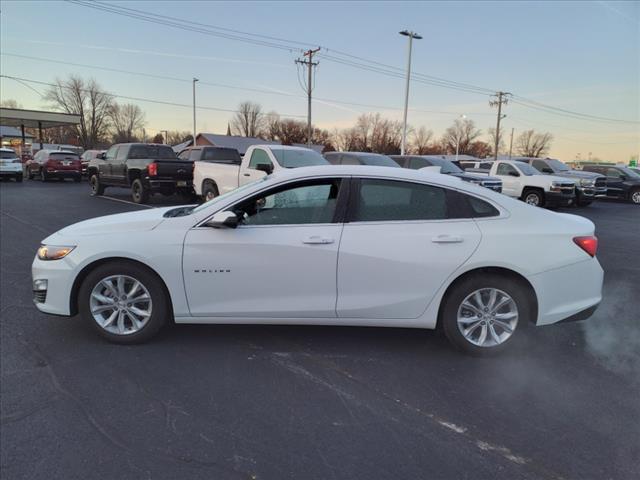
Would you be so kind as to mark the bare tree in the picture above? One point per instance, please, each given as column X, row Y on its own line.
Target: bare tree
column 125, row 119
column 271, row 126
column 87, row 99
column 175, row 137
column 480, row 149
column 422, row 139
column 10, row 103
column 248, row 120
column 492, row 141
column 158, row 138
column 461, row 133
column 533, row 144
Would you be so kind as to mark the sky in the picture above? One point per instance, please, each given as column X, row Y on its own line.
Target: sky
column 578, row 56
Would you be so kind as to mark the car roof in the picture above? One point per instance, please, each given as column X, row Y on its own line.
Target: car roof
column 57, row 151
column 358, row 154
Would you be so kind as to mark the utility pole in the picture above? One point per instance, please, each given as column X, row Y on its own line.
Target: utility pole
column 501, row 98
column 194, row 110
column 411, row 36
column 511, row 143
column 310, row 64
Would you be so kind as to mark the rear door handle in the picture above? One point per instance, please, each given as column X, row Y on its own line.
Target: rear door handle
column 447, row 239
column 317, row 240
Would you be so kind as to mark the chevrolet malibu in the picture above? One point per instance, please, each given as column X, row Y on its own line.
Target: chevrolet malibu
column 328, row 245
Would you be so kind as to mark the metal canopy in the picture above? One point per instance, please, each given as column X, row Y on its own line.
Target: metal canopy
column 15, row 117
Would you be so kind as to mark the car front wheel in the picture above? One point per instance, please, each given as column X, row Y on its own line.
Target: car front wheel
column 96, row 187
column 482, row 313
column 124, row 302
column 635, row 197
column 533, row 197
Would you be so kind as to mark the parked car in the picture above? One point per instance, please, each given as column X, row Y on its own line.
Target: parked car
column 475, row 164
column 635, row 169
column 360, row 158
column 447, row 167
column 303, row 246
column 10, row 164
column 59, row 164
column 145, row 168
column 87, row 157
column 520, row 180
column 622, row 182
column 215, row 178
column 589, row 185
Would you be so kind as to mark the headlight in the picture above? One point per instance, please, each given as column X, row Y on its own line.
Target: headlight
column 51, row 252
column 586, row 182
column 556, row 187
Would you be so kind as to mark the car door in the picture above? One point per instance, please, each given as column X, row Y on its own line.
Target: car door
column 399, row 245
column 119, row 165
column 510, row 179
column 279, row 262
column 615, row 179
column 249, row 174
column 104, row 167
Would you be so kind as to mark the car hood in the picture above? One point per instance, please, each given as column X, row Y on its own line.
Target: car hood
column 577, row 174
column 122, row 222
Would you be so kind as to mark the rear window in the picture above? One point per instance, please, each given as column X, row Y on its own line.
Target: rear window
column 221, row 155
column 63, row 156
column 152, row 151
column 8, row 155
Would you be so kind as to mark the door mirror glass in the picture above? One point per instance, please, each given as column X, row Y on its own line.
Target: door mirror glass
column 224, row 219
column 265, row 167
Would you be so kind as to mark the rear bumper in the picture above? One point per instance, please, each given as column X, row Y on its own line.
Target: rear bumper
column 555, row 199
column 157, row 185
column 570, row 292
column 63, row 173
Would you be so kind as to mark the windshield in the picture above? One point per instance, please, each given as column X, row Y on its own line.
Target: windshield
column 446, row 166
column 64, row 155
column 294, row 158
column 8, row 155
column 629, row 172
column 152, row 151
column 225, row 195
column 378, row 160
column 557, row 165
column 527, row 169
column 222, row 155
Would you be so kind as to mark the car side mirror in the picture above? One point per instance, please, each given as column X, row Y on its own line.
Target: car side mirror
column 547, row 170
column 514, row 174
column 265, row 167
column 101, row 156
column 224, row 219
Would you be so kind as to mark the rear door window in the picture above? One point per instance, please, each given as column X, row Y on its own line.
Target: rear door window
column 393, row 200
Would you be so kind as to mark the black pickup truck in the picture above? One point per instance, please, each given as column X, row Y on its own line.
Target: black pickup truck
column 145, row 168
column 622, row 181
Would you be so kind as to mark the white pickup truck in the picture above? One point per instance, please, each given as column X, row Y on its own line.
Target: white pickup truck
column 211, row 179
column 521, row 180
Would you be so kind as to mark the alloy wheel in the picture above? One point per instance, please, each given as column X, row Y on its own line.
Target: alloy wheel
column 487, row 317
column 120, row 304
column 635, row 197
column 532, row 199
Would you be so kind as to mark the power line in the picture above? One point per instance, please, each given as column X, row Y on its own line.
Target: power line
column 138, row 99
column 502, row 98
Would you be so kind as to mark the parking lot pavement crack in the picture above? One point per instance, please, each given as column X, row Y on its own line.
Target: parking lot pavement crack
column 28, row 224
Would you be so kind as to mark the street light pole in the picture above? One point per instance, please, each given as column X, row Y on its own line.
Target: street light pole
column 458, row 138
column 194, row 110
column 411, row 36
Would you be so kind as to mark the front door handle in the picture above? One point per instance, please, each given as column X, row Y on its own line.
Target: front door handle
column 447, row 239
column 317, row 240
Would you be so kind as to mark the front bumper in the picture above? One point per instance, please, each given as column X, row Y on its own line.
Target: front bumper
column 591, row 191
column 557, row 199
column 568, row 292
column 60, row 275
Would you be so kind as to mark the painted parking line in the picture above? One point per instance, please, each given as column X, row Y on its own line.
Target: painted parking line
column 124, row 201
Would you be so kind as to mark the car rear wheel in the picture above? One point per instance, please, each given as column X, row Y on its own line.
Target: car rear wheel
column 209, row 191
column 139, row 194
column 533, row 197
column 96, row 187
column 482, row 313
column 124, row 302
column 635, row 197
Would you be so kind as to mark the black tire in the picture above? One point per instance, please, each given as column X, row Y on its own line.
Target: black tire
column 463, row 289
column 533, row 197
column 19, row 178
column 161, row 311
column 581, row 201
column 209, row 190
column 139, row 194
column 43, row 175
column 634, row 196
column 97, row 188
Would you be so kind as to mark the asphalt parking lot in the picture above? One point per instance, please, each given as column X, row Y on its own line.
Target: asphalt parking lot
column 227, row 402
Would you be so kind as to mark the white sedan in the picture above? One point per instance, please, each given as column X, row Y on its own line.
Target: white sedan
column 328, row 245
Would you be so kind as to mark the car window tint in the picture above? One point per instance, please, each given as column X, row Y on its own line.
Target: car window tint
column 480, row 208
column 417, row 163
column 486, row 165
column 121, row 156
column 258, row 157
column 505, row 169
column 194, row 155
column 613, row 173
column 333, row 158
column 540, row 165
column 111, row 154
column 349, row 160
column 389, row 200
column 302, row 203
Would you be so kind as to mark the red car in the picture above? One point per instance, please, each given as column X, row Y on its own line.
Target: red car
column 61, row 164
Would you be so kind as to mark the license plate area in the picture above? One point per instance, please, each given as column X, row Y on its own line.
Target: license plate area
column 181, row 183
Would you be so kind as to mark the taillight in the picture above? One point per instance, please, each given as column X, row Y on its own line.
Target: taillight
column 588, row 244
column 152, row 168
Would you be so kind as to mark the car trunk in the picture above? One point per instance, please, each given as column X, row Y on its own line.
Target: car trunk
column 63, row 162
